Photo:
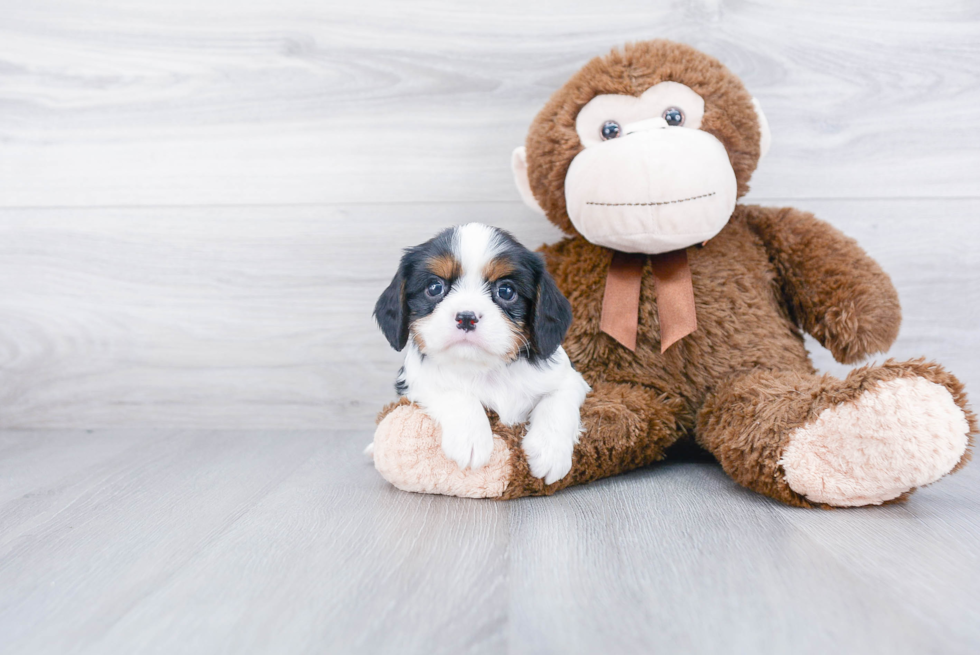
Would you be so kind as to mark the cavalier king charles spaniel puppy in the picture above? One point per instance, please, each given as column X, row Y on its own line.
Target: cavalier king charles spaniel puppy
column 484, row 321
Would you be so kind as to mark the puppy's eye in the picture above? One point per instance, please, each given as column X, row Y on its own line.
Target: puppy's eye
column 674, row 116
column 610, row 130
column 435, row 289
column 506, row 292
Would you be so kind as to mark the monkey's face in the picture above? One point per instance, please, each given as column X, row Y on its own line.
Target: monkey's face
column 648, row 179
column 633, row 158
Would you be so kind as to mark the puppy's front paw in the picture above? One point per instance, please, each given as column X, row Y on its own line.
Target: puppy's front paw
column 470, row 445
column 549, row 455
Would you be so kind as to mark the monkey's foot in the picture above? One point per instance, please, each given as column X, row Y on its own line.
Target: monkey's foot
column 898, row 435
column 408, row 453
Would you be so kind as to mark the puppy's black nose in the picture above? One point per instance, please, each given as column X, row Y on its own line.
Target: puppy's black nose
column 466, row 321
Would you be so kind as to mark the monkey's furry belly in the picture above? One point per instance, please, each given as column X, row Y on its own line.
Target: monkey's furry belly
column 743, row 321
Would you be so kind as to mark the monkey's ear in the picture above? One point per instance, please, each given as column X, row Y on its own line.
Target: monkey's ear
column 518, row 163
column 765, row 136
column 391, row 310
column 552, row 317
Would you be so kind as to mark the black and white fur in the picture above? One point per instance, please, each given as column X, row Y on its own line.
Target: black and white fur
column 484, row 321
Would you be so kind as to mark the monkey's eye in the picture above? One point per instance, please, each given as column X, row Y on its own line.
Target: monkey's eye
column 435, row 288
column 674, row 116
column 610, row 130
column 506, row 292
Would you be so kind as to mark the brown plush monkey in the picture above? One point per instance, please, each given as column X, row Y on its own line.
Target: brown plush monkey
column 689, row 308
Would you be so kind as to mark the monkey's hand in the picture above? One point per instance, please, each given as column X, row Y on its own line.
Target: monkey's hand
column 831, row 287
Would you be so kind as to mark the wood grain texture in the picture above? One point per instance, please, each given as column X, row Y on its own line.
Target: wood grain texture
column 683, row 561
column 282, row 541
column 291, row 101
column 200, row 201
column 261, row 317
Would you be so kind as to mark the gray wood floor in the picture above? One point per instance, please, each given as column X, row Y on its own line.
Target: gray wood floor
column 199, row 203
column 285, row 542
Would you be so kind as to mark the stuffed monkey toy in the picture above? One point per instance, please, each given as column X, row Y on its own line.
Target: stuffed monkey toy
column 689, row 308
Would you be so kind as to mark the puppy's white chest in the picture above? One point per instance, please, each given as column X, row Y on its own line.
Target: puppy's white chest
column 512, row 390
column 508, row 398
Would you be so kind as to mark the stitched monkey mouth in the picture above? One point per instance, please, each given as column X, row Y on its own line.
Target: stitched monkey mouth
column 650, row 204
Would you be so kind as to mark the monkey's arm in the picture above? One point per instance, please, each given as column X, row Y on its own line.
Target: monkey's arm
column 832, row 288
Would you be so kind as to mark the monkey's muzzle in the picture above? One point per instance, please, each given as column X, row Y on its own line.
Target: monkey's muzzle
column 654, row 190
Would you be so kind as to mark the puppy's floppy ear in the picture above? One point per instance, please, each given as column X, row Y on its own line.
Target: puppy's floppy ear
column 552, row 317
column 391, row 310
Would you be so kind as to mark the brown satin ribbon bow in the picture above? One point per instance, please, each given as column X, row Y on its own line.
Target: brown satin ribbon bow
column 675, row 297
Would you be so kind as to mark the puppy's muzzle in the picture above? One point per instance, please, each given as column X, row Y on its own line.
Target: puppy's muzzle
column 466, row 321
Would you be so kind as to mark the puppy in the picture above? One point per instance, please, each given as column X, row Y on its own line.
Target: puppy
column 484, row 322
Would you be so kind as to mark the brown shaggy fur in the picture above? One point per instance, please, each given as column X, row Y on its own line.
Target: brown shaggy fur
column 742, row 381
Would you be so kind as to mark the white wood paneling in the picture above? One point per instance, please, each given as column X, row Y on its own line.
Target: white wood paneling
column 261, row 316
column 200, row 200
column 292, row 101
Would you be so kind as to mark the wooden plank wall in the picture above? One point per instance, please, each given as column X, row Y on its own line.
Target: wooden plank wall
column 200, row 201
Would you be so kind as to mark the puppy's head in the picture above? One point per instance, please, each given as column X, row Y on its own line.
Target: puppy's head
column 473, row 293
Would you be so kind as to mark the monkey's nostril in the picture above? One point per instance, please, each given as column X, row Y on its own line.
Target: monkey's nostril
column 466, row 321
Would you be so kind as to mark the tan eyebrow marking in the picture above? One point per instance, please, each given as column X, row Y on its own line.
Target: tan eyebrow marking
column 496, row 269
column 445, row 266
